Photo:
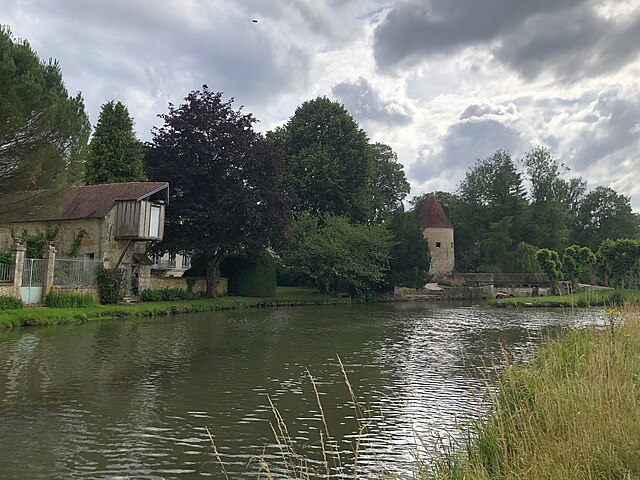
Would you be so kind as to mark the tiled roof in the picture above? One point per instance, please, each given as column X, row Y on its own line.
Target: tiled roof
column 432, row 215
column 90, row 201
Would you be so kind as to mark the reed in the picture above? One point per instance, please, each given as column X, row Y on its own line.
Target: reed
column 571, row 413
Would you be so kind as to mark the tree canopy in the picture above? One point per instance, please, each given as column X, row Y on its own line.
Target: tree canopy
column 115, row 154
column 43, row 130
column 227, row 193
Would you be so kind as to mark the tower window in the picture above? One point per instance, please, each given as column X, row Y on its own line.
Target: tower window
column 438, row 244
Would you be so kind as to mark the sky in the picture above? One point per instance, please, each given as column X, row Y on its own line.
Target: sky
column 443, row 82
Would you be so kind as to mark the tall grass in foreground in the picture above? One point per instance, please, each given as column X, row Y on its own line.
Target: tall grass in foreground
column 572, row 413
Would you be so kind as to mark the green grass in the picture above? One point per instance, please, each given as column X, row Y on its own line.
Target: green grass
column 40, row 316
column 596, row 298
column 571, row 413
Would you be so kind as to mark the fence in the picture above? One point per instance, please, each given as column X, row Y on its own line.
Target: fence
column 6, row 273
column 74, row 271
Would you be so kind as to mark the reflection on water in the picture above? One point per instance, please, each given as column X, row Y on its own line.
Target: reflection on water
column 119, row 399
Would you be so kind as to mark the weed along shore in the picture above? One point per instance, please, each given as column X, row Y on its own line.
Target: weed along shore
column 43, row 316
column 599, row 298
column 570, row 413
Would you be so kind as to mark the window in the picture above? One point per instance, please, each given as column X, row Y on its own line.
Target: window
column 438, row 244
column 154, row 225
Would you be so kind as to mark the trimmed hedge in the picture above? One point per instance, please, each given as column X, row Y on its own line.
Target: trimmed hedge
column 10, row 303
column 166, row 294
column 250, row 276
column 69, row 300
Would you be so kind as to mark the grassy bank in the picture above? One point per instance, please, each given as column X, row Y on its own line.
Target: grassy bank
column 39, row 316
column 572, row 413
column 596, row 298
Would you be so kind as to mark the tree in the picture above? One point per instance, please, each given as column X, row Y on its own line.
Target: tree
column 409, row 256
column 43, row 130
column 621, row 260
column 329, row 162
column 227, row 194
column 524, row 259
column 576, row 261
column 115, row 154
column 549, row 219
column 390, row 185
column 550, row 264
column 339, row 255
column 495, row 244
column 604, row 214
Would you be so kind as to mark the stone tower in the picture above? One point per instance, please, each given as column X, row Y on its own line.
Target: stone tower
column 438, row 231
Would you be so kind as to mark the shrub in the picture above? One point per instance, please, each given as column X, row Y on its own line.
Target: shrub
column 251, row 276
column 5, row 258
column 111, row 284
column 166, row 294
column 10, row 303
column 69, row 300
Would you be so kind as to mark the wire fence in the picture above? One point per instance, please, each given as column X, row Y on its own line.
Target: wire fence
column 75, row 271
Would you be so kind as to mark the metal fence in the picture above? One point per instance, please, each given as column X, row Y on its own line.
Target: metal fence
column 33, row 272
column 75, row 271
column 6, row 273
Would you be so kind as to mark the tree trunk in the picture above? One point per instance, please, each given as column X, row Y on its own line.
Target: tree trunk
column 213, row 275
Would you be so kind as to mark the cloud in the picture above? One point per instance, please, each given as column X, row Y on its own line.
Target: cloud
column 364, row 102
column 464, row 143
column 486, row 110
column 567, row 38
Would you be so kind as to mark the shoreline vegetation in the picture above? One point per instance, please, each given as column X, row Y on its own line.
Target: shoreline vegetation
column 46, row 316
column 594, row 298
column 569, row 413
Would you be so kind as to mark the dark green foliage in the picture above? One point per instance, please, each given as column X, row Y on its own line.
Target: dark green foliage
column 524, row 259
column 550, row 264
column 10, row 303
column 495, row 245
column 6, row 258
column 36, row 242
column 167, row 294
column 43, row 130
column 390, row 185
column 409, row 256
column 330, row 166
column 250, row 276
column 226, row 184
column 621, row 260
column 576, row 262
column 112, row 284
column 69, row 300
column 115, row 154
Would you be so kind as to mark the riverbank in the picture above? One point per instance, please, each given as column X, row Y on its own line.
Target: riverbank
column 595, row 298
column 572, row 412
column 42, row 316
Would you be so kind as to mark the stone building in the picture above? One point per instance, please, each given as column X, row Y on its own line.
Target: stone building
column 438, row 231
column 112, row 223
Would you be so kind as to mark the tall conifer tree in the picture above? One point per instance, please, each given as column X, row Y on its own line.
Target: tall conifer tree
column 115, row 154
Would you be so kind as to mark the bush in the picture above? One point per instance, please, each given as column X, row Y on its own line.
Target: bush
column 250, row 276
column 5, row 258
column 10, row 303
column 69, row 300
column 111, row 284
column 166, row 294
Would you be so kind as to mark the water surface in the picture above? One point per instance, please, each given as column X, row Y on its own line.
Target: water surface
column 132, row 398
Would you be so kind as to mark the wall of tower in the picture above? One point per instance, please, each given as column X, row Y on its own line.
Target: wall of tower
column 441, row 248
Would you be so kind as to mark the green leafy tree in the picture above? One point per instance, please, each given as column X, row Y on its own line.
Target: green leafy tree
column 43, row 130
column 605, row 214
column 496, row 243
column 576, row 262
column 329, row 165
column 524, row 259
column 621, row 260
column 227, row 193
column 409, row 256
column 339, row 255
column 549, row 218
column 550, row 264
column 115, row 154
column 390, row 185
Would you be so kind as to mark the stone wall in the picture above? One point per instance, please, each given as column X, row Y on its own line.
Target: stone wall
column 200, row 285
column 441, row 249
column 7, row 290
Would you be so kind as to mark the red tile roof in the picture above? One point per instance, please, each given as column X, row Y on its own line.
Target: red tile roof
column 91, row 201
column 432, row 214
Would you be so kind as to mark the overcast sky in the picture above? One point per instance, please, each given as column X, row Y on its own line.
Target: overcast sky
column 443, row 82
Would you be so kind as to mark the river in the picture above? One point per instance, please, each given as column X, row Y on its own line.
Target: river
column 133, row 398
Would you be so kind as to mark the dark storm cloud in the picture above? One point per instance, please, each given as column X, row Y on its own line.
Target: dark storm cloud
column 485, row 109
column 363, row 102
column 564, row 37
column 463, row 144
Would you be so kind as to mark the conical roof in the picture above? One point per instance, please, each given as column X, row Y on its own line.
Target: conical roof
column 432, row 214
